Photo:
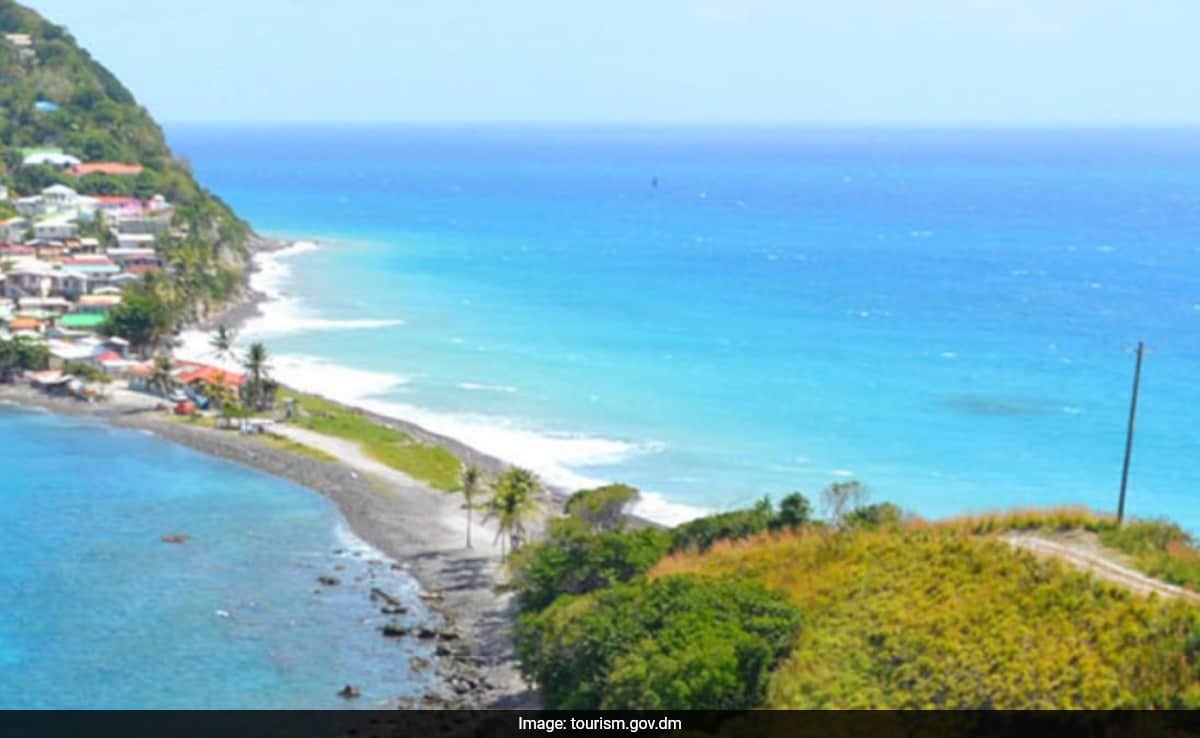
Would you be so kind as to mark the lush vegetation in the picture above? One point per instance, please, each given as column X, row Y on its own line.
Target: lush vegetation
column 675, row 642
column 1160, row 548
column 700, row 534
column 896, row 613
column 432, row 464
column 22, row 353
column 931, row 617
column 287, row 444
column 98, row 119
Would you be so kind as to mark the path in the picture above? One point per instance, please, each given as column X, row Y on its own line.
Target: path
column 1102, row 568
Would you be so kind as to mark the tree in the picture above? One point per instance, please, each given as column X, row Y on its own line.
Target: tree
column 573, row 560
column 702, row 533
column 141, row 318
column 162, row 376
column 22, row 353
column 676, row 642
column 839, row 498
column 603, row 508
column 794, row 511
column 513, row 503
column 222, row 343
column 471, row 478
column 259, row 388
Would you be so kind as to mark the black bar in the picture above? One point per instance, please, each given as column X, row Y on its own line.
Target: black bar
column 530, row 724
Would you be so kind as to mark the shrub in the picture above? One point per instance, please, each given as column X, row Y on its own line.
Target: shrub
column 674, row 643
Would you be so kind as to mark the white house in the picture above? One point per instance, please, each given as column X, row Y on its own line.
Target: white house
column 50, row 158
column 60, row 198
column 132, row 244
column 13, row 230
column 55, row 230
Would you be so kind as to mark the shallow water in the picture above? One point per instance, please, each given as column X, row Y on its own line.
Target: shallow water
column 715, row 315
column 100, row 613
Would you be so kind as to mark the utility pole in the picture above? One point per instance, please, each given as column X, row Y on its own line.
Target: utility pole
column 1137, row 380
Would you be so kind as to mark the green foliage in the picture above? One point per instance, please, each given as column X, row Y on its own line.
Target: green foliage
column 883, row 514
column 86, row 372
column 702, row 533
column 1159, row 548
column 513, row 503
column 602, row 508
column 432, row 464
column 141, row 318
column 22, row 353
column 794, row 511
column 574, row 560
column 674, row 643
column 933, row 617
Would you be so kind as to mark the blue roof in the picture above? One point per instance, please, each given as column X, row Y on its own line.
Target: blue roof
column 45, row 106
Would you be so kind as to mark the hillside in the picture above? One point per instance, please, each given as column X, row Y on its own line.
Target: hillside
column 67, row 121
column 96, row 117
column 864, row 609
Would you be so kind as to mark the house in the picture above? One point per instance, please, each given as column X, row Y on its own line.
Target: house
column 30, row 207
column 98, row 303
column 58, row 229
column 110, row 168
column 87, row 245
column 194, row 373
column 49, row 157
column 128, row 243
column 115, row 206
column 81, row 321
column 45, row 106
column 25, row 323
column 64, row 352
column 43, row 306
column 60, row 198
column 19, row 40
column 91, row 264
column 145, row 224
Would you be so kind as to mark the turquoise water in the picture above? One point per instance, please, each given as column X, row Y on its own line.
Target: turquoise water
column 100, row 613
column 714, row 315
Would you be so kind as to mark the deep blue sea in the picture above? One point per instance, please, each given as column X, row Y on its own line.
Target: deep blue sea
column 99, row 613
column 716, row 315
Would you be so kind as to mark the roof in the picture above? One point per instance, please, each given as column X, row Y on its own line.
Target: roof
column 108, row 356
column 24, row 323
column 143, row 268
column 106, row 299
column 59, row 189
column 19, row 39
column 114, row 168
column 210, row 375
column 81, row 320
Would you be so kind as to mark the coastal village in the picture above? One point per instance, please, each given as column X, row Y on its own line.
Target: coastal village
column 65, row 259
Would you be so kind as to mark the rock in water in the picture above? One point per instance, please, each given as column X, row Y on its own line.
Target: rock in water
column 349, row 692
column 175, row 538
column 329, row 581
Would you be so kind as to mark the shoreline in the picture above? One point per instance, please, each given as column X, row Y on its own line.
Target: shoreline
column 406, row 521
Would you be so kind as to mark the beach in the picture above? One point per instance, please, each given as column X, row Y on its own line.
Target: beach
column 420, row 529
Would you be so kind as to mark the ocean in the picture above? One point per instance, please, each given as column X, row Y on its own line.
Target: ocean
column 100, row 613
column 715, row 315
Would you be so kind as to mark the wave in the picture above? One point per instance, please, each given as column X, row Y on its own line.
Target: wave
column 476, row 387
column 281, row 313
column 556, row 456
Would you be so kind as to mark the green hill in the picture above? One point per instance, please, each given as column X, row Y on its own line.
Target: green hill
column 54, row 96
column 867, row 610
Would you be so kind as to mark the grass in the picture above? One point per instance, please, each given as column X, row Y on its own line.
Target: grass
column 431, row 464
column 287, row 444
column 1156, row 547
column 930, row 617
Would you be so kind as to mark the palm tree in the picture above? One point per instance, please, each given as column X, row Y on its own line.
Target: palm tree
column 471, row 477
column 513, row 502
column 162, row 374
column 256, row 365
column 222, row 343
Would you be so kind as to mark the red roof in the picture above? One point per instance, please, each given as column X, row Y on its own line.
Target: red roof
column 108, row 356
column 143, row 268
column 211, row 375
column 106, row 167
column 93, row 260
